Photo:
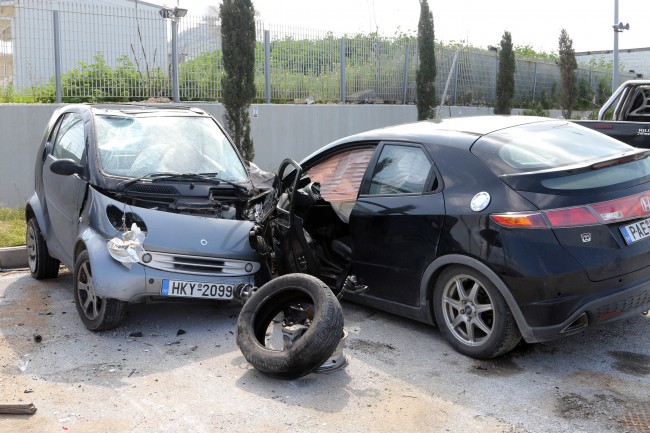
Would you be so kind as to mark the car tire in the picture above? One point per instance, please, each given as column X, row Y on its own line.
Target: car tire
column 41, row 265
column 96, row 313
column 472, row 315
column 310, row 350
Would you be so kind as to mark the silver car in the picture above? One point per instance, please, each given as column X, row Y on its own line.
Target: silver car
column 141, row 203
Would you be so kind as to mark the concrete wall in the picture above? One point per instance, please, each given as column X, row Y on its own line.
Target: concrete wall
column 279, row 131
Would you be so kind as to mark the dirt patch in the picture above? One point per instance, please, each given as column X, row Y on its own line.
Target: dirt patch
column 636, row 364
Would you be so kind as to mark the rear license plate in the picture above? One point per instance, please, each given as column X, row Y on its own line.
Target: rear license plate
column 194, row 289
column 636, row 231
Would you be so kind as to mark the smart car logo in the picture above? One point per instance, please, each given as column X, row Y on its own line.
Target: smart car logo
column 204, row 242
column 645, row 203
column 586, row 237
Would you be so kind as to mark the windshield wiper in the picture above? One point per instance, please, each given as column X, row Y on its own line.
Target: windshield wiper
column 198, row 177
column 127, row 183
column 181, row 177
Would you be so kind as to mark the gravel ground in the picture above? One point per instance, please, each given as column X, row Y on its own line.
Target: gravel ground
column 176, row 367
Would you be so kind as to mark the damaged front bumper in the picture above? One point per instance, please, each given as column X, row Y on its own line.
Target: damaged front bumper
column 179, row 256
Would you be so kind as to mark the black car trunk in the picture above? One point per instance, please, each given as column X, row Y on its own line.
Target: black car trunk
column 596, row 226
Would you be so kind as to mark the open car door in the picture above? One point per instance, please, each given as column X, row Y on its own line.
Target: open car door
column 293, row 253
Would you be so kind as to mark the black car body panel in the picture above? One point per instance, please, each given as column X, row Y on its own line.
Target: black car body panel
column 400, row 243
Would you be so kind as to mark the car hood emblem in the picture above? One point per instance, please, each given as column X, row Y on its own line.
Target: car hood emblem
column 204, row 242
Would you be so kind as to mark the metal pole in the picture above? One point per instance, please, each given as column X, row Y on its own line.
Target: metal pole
column 57, row 55
column 534, row 81
column 456, row 78
column 406, row 72
column 342, row 87
column 175, row 87
column 615, row 68
column 267, row 65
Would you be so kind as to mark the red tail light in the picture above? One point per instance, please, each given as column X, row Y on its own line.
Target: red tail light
column 626, row 208
column 575, row 216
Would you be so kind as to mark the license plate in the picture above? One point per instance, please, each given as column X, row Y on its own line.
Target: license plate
column 636, row 231
column 194, row 289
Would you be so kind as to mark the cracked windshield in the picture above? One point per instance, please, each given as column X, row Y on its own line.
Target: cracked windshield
column 139, row 146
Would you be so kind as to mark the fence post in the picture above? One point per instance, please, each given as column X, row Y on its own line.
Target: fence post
column 57, row 55
column 534, row 81
column 342, row 86
column 267, row 65
column 175, row 87
column 456, row 78
column 406, row 72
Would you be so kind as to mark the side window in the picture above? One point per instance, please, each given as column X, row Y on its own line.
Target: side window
column 69, row 142
column 400, row 170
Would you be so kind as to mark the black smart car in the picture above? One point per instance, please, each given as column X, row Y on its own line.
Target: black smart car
column 493, row 227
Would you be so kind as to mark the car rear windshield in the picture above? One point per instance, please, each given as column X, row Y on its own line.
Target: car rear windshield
column 134, row 146
column 553, row 153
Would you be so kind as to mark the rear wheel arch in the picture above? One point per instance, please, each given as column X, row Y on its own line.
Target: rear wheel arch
column 438, row 266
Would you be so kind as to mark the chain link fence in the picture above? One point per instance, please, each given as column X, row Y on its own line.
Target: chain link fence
column 90, row 51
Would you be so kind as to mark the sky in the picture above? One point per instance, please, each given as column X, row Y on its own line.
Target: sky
column 480, row 23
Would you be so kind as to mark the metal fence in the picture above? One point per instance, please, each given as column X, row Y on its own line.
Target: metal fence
column 90, row 51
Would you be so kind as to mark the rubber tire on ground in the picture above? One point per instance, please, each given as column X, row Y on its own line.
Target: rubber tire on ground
column 505, row 334
column 309, row 351
column 41, row 265
column 111, row 312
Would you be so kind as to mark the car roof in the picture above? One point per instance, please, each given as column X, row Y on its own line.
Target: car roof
column 136, row 109
column 424, row 131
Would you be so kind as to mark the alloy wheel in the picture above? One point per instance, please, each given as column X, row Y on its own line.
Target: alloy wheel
column 468, row 310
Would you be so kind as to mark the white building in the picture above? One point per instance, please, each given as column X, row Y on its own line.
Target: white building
column 113, row 29
column 633, row 61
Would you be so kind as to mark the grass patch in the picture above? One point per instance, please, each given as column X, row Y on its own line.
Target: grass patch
column 12, row 227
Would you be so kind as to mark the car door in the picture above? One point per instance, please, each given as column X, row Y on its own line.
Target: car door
column 64, row 194
column 396, row 223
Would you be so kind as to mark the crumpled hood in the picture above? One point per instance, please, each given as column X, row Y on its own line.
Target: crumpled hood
column 178, row 233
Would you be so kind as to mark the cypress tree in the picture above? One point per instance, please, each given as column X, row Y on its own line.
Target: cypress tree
column 426, row 73
column 568, row 66
column 238, row 80
column 505, row 77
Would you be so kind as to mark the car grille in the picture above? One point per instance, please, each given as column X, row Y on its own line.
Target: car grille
column 200, row 265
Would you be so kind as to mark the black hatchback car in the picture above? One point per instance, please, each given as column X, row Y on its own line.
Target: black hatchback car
column 493, row 227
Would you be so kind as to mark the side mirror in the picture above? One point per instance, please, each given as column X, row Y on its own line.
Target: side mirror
column 66, row 167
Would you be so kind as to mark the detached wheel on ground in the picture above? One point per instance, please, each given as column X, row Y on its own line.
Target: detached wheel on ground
column 472, row 315
column 97, row 313
column 290, row 326
column 41, row 265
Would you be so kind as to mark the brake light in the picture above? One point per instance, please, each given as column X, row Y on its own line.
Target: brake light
column 626, row 208
column 575, row 216
column 634, row 206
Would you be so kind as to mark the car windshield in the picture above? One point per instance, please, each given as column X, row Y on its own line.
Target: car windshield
column 135, row 146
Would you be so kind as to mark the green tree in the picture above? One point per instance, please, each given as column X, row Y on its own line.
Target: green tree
column 505, row 77
column 568, row 66
column 238, row 80
column 426, row 73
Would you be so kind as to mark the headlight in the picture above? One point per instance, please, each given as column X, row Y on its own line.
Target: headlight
column 128, row 249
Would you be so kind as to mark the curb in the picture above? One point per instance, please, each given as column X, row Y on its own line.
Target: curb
column 13, row 257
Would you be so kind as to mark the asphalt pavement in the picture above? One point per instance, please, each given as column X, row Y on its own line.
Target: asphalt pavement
column 176, row 367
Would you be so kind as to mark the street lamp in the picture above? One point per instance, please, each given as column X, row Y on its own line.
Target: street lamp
column 174, row 15
column 618, row 28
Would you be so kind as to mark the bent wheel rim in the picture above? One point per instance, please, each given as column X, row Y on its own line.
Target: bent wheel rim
column 89, row 302
column 31, row 248
column 468, row 310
